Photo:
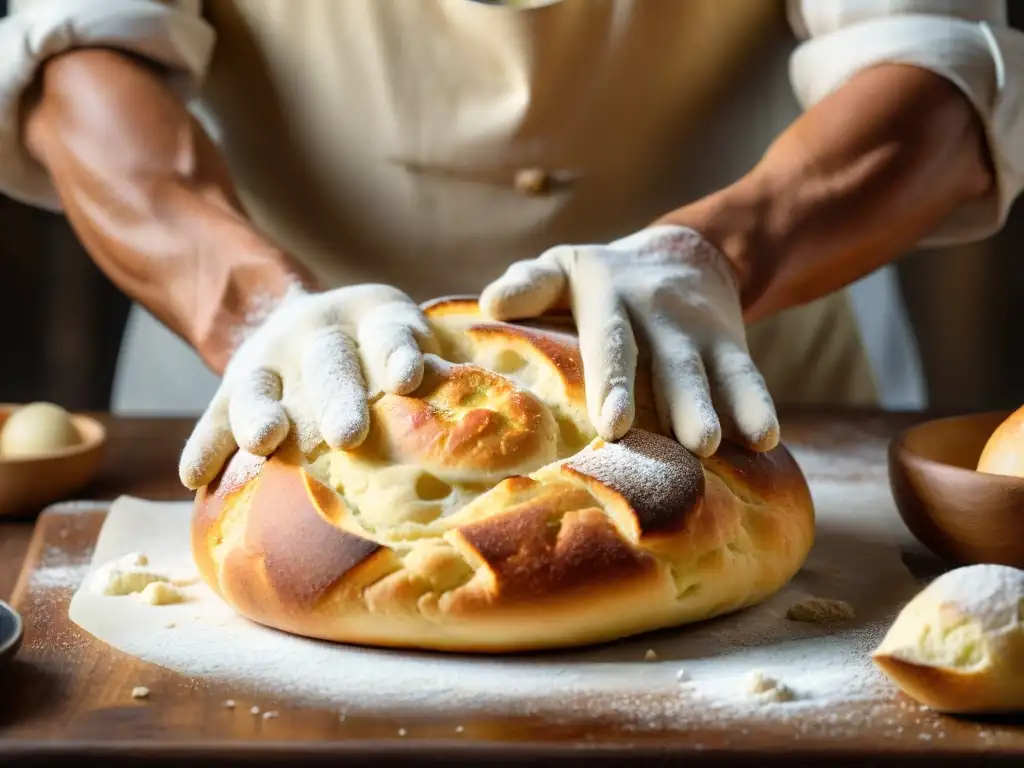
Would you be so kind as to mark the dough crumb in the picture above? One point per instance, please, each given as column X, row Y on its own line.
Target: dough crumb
column 820, row 610
column 402, row 731
column 270, row 714
column 131, row 575
column 459, row 729
column 769, row 688
column 682, row 675
column 140, row 692
column 161, row 593
column 228, row 704
column 254, row 711
column 650, row 655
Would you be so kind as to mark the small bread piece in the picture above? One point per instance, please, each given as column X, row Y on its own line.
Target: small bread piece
column 958, row 646
column 1003, row 453
column 483, row 514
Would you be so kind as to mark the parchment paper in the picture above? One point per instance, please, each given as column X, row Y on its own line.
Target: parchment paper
column 855, row 559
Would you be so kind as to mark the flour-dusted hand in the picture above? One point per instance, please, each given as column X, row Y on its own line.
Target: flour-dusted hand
column 682, row 294
column 313, row 364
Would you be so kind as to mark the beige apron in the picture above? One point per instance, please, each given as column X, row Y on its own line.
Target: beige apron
column 381, row 140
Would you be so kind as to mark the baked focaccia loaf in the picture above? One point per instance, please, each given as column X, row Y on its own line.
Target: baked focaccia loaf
column 482, row 513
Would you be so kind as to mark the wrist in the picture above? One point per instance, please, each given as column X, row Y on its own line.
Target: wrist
column 737, row 221
column 240, row 291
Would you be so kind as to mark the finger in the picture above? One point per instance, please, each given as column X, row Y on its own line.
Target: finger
column 390, row 338
column 742, row 394
column 528, row 288
column 258, row 420
column 607, row 346
column 334, row 389
column 209, row 446
column 683, row 392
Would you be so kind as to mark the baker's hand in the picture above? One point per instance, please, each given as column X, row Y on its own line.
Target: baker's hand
column 682, row 294
column 312, row 364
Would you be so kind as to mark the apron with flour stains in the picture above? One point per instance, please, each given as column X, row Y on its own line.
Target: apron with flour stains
column 387, row 141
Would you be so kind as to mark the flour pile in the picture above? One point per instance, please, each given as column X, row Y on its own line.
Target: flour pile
column 696, row 674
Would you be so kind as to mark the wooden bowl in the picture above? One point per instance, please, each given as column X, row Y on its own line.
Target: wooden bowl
column 962, row 515
column 27, row 484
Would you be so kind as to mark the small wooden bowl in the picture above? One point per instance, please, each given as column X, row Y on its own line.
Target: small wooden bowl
column 962, row 515
column 27, row 484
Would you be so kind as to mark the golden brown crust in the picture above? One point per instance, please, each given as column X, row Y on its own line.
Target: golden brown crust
column 949, row 690
column 540, row 536
column 464, row 418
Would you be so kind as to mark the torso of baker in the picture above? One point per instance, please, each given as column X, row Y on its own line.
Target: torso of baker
column 429, row 145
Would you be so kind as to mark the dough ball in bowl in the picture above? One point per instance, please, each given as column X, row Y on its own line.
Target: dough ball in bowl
column 483, row 514
column 958, row 646
column 37, row 429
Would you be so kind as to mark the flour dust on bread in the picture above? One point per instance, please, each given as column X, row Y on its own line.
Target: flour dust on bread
column 483, row 514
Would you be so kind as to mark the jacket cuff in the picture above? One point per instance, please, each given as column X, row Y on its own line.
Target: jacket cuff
column 180, row 41
column 986, row 63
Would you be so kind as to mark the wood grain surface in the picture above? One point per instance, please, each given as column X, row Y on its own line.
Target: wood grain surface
column 69, row 696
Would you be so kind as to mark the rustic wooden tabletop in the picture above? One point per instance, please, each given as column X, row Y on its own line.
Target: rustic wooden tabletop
column 90, row 722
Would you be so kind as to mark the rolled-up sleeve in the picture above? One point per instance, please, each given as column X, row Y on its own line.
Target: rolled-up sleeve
column 171, row 34
column 968, row 42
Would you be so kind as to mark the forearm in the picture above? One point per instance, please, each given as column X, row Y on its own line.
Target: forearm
column 150, row 198
column 855, row 182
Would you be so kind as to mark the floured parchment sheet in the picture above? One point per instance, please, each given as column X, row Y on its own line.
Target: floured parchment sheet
column 738, row 665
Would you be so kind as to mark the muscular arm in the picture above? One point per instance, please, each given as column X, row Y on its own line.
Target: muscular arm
column 150, row 197
column 854, row 183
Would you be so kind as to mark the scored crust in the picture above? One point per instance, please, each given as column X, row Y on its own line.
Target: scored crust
column 483, row 514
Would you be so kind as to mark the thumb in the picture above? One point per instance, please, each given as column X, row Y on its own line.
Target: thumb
column 528, row 288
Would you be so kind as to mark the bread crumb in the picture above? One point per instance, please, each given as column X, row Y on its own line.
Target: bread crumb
column 161, row 593
column 459, row 729
column 140, row 692
column 254, row 711
column 769, row 688
column 650, row 655
column 270, row 714
column 228, row 704
column 402, row 731
column 820, row 610
column 682, row 675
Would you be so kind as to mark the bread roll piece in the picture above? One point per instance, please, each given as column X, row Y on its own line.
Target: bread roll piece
column 1004, row 451
column 482, row 514
column 958, row 646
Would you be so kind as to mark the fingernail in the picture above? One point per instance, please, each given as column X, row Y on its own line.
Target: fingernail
column 617, row 412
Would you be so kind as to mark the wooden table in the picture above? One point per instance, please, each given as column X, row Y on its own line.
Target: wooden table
column 142, row 461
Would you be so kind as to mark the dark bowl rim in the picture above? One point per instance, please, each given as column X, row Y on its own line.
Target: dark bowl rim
column 6, row 644
column 900, row 452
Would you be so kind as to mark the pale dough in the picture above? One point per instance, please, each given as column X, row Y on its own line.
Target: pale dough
column 37, row 429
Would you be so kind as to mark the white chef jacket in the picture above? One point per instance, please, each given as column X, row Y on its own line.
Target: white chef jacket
column 379, row 140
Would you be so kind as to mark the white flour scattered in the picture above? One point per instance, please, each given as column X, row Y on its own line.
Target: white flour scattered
column 854, row 560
